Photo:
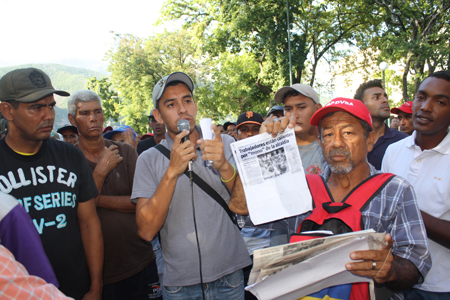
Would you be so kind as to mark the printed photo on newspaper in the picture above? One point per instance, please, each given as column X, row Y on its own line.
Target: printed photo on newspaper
column 272, row 176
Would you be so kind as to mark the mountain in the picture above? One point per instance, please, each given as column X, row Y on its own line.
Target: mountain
column 64, row 78
column 90, row 64
column 83, row 63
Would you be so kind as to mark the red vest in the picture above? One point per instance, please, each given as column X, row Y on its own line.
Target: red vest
column 340, row 217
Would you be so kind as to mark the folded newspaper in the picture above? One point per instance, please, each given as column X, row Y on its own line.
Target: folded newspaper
column 295, row 270
column 272, row 176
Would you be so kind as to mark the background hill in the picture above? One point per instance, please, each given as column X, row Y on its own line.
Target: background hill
column 64, row 78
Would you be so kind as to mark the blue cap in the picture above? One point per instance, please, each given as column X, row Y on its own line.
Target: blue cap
column 119, row 129
column 275, row 108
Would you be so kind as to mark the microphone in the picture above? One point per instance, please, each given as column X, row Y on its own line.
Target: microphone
column 183, row 125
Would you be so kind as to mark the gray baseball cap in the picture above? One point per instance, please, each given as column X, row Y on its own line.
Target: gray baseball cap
column 27, row 85
column 160, row 87
column 303, row 89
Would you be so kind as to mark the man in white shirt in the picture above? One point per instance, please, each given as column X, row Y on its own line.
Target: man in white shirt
column 424, row 160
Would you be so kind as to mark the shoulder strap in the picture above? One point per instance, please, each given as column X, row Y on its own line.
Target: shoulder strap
column 203, row 185
column 318, row 190
column 364, row 192
column 163, row 150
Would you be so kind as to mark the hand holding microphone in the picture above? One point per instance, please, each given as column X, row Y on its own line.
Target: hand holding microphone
column 183, row 125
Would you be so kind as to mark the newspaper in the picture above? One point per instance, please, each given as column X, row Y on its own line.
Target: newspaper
column 272, row 175
column 295, row 270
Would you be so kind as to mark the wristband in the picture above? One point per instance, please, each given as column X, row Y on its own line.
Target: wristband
column 234, row 174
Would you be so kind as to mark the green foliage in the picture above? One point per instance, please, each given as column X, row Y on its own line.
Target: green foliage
column 230, row 88
column 137, row 64
column 110, row 99
column 224, row 85
column 259, row 28
column 417, row 34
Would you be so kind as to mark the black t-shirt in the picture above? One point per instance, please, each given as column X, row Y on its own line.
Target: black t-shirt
column 49, row 185
column 145, row 144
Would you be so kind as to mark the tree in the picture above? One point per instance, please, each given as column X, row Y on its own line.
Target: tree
column 110, row 100
column 136, row 65
column 227, row 87
column 329, row 24
column 259, row 28
column 416, row 33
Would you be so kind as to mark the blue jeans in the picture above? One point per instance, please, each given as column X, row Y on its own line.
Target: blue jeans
column 159, row 259
column 229, row 287
column 416, row 294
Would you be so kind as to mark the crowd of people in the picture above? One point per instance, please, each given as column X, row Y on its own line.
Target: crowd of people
column 108, row 214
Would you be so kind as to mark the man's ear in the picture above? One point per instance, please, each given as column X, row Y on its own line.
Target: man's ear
column 7, row 111
column 318, row 106
column 71, row 120
column 370, row 141
column 157, row 116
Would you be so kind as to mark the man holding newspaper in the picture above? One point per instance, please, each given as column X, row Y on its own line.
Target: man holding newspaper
column 346, row 136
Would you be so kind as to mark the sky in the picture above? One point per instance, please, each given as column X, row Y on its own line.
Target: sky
column 48, row 31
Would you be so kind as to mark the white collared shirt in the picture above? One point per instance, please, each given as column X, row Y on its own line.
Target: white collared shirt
column 428, row 172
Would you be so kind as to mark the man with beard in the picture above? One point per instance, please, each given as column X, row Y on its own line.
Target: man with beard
column 373, row 95
column 424, row 160
column 346, row 136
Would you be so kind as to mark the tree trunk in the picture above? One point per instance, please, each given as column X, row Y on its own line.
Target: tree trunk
column 313, row 76
column 405, row 78
column 298, row 79
column 257, row 83
column 419, row 67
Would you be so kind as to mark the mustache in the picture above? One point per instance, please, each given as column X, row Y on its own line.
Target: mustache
column 339, row 151
column 45, row 124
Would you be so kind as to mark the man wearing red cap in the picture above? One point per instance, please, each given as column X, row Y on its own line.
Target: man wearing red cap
column 424, row 160
column 346, row 136
column 404, row 113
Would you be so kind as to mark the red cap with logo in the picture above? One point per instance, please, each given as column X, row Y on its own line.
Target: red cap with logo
column 353, row 107
column 405, row 107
